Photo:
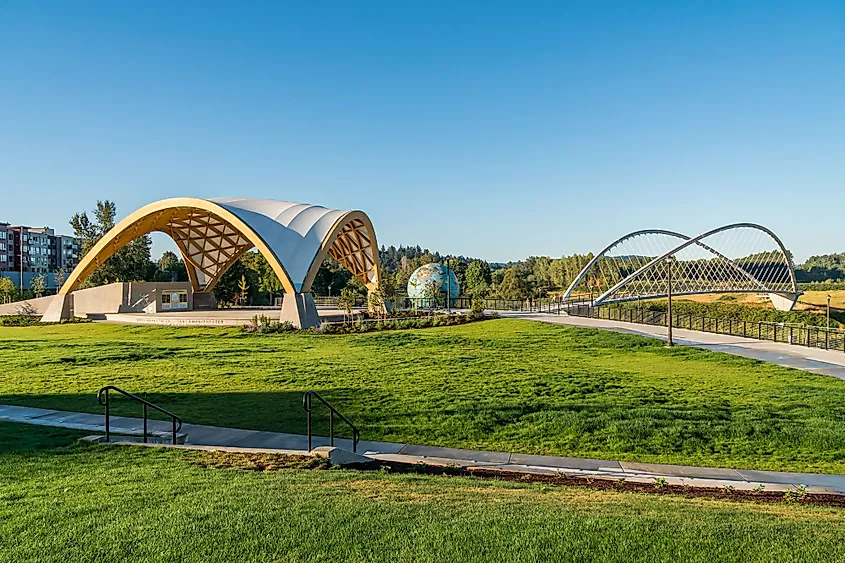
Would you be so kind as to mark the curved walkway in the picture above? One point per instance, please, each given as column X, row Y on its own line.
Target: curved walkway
column 814, row 360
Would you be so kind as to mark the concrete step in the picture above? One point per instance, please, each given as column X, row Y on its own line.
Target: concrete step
column 152, row 438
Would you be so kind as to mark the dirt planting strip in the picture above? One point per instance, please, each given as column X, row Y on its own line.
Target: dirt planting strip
column 276, row 462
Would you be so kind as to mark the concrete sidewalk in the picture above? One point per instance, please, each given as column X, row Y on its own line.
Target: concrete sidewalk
column 814, row 360
column 233, row 439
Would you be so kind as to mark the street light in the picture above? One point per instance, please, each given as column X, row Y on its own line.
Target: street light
column 448, row 289
column 639, row 306
column 827, row 332
column 669, row 342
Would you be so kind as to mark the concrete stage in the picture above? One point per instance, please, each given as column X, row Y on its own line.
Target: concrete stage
column 215, row 317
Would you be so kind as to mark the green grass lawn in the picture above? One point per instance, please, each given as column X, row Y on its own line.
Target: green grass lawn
column 499, row 385
column 68, row 502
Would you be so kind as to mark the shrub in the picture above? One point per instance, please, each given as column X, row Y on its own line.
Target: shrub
column 262, row 324
column 19, row 320
column 726, row 309
column 30, row 320
column 477, row 305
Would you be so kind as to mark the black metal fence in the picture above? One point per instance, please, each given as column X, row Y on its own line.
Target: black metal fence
column 360, row 301
column 403, row 302
column 799, row 335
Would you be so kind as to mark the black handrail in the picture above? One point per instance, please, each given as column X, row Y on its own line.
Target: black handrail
column 104, row 393
column 306, row 406
column 798, row 335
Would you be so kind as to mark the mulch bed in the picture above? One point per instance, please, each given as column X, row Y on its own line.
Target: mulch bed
column 275, row 462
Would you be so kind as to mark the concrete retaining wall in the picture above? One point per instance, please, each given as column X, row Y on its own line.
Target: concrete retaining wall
column 37, row 306
column 121, row 297
column 98, row 300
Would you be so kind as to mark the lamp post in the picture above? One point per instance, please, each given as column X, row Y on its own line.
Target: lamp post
column 639, row 307
column 20, row 246
column 827, row 332
column 448, row 288
column 669, row 342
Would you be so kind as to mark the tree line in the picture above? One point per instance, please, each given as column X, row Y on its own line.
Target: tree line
column 534, row 277
column 828, row 268
column 252, row 280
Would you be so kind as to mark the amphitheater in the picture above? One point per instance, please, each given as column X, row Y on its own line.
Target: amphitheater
column 211, row 235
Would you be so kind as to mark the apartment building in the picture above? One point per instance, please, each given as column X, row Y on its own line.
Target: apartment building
column 7, row 253
column 36, row 251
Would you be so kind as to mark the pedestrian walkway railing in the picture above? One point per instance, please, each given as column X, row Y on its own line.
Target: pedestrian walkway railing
column 799, row 335
column 307, row 399
column 540, row 305
column 359, row 301
column 544, row 305
column 103, row 399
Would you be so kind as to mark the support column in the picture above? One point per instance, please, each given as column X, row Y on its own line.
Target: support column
column 59, row 309
column 299, row 310
column 784, row 301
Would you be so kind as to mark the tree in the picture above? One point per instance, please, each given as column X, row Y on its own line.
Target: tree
column 171, row 268
column 331, row 278
column 376, row 302
column 130, row 263
column 7, row 289
column 263, row 277
column 38, row 285
column 226, row 290
column 387, row 286
column 168, row 261
column 477, row 278
column 89, row 232
column 512, row 286
column 431, row 294
column 346, row 301
column 405, row 265
column 61, row 276
column 243, row 286
column 459, row 268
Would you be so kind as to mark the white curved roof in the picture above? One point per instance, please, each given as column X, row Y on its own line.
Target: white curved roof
column 294, row 232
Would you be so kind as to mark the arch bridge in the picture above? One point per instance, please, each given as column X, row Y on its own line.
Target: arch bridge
column 736, row 258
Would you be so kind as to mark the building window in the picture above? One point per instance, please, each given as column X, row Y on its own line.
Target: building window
column 174, row 299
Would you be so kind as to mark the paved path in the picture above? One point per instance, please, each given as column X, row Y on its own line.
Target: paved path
column 216, row 317
column 234, row 439
column 815, row 360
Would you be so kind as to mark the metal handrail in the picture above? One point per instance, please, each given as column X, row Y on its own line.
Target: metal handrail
column 832, row 338
column 104, row 393
column 306, row 406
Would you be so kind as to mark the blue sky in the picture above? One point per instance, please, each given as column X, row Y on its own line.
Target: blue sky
column 496, row 129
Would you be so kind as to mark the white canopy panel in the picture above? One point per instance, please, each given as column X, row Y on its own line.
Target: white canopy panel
column 294, row 232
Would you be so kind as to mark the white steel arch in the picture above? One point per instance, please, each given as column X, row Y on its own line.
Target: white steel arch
column 736, row 258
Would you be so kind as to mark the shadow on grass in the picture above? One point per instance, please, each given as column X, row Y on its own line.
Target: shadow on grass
column 270, row 411
column 25, row 438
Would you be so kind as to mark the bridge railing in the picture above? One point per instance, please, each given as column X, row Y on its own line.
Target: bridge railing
column 799, row 335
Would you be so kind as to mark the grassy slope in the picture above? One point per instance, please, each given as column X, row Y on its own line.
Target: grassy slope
column 500, row 385
column 87, row 502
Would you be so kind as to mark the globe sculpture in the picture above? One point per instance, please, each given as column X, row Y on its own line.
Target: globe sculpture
column 429, row 285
